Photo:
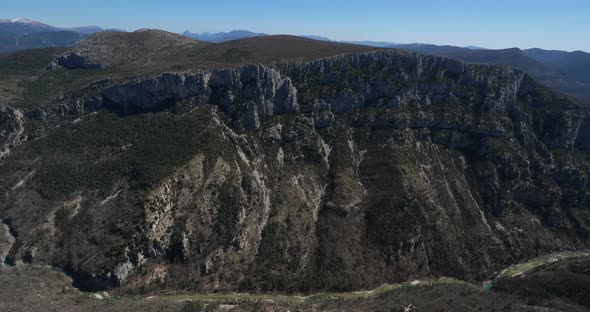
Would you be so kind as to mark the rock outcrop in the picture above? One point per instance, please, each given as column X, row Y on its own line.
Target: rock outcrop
column 72, row 61
column 12, row 127
column 6, row 241
column 393, row 79
column 246, row 93
column 340, row 173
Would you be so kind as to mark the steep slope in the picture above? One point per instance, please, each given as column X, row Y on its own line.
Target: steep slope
column 573, row 64
column 560, row 70
column 28, row 288
column 510, row 57
column 569, row 280
column 336, row 173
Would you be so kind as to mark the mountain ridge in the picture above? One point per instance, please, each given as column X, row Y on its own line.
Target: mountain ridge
column 21, row 34
column 223, row 36
column 28, row 25
column 271, row 172
column 98, row 50
column 561, row 70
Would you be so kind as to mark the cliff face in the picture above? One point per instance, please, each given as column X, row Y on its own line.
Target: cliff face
column 340, row 173
column 12, row 127
column 247, row 94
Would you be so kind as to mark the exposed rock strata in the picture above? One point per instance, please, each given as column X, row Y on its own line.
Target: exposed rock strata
column 12, row 128
column 340, row 173
column 6, row 242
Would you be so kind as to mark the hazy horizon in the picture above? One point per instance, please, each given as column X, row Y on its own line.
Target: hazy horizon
column 496, row 25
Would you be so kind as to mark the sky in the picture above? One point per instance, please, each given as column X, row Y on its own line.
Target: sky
column 548, row 24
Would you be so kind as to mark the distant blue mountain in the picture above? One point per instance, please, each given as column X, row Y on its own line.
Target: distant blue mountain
column 574, row 64
column 88, row 30
column 22, row 34
column 379, row 44
column 12, row 42
column 568, row 72
column 21, row 26
column 317, row 38
column 421, row 46
column 223, row 36
column 238, row 34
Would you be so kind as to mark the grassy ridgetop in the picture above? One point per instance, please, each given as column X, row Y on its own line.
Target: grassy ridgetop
column 26, row 82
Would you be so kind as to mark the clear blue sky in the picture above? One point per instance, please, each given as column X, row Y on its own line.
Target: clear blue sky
column 550, row 24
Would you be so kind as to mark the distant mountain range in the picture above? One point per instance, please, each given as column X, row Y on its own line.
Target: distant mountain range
column 239, row 34
column 24, row 26
column 223, row 36
column 11, row 41
column 568, row 72
column 22, row 33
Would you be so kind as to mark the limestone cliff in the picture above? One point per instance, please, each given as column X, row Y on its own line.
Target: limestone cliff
column 12, row 126
column 339, row 173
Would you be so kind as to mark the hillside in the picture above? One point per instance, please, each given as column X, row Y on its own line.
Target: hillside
column 142, row 47
column 21, row 26
column 511, row 57
column 282, row 164
column 22, row 34
column 574, row 64
column 159, row 50
column 273, row 48
column 563, row 71
column 26, row 82
column 548, row 288
column 11, row 42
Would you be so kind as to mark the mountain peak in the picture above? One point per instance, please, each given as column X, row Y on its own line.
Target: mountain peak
column 19, row 20
column 25, row 23
column 22, row 20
